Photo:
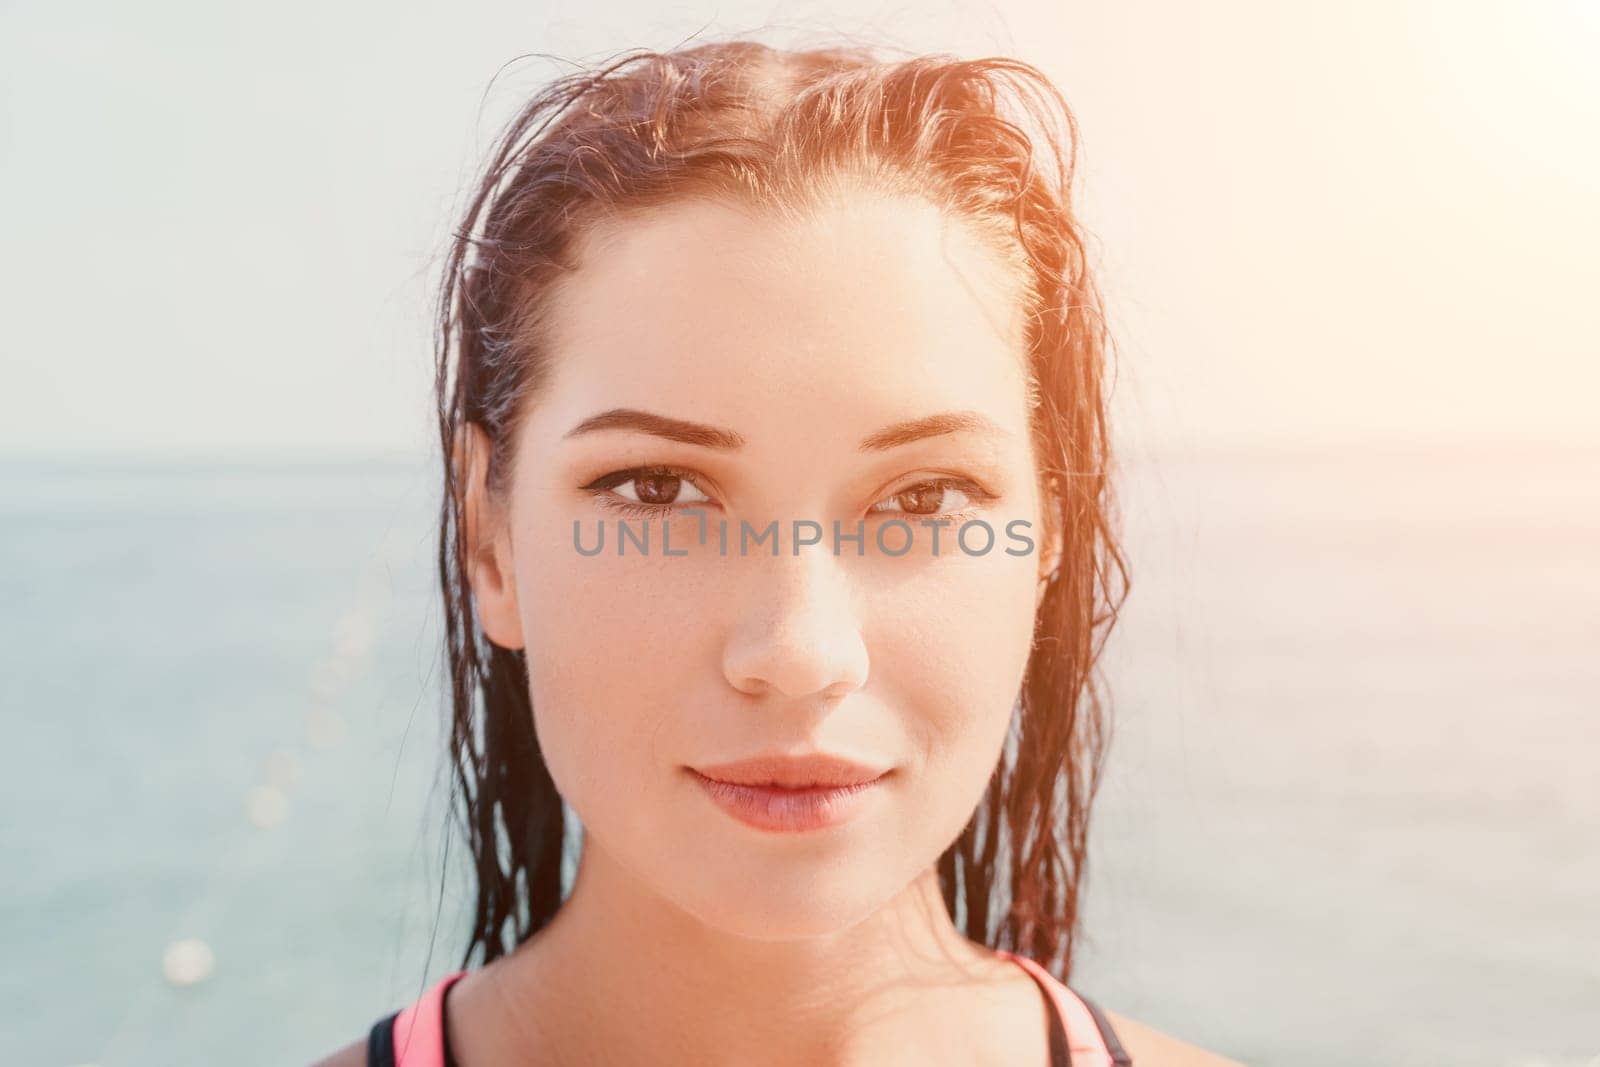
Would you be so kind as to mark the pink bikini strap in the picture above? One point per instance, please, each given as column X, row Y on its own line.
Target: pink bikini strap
column 419, row 1028
column 1083, row 1032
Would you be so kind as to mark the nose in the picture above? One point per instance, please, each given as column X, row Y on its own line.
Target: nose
column 800, row 635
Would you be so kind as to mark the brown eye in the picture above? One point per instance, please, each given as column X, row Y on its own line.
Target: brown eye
column 927, row 498
column 924, row 500
column 657, row 488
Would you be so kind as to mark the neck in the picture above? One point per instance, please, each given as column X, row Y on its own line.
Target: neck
column 626, row 973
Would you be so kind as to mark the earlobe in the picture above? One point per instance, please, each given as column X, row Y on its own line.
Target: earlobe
column 486, row 536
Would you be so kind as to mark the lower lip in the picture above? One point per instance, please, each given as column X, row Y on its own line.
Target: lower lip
column 779, row 810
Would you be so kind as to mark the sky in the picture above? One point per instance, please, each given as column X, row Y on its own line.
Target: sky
column 1316, row 224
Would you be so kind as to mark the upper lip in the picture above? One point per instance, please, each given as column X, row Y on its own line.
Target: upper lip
column 812, row 770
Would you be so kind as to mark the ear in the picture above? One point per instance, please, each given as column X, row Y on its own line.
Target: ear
column 486, row 529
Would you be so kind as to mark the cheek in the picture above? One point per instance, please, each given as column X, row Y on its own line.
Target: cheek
column 608, row 647
column 954, row 656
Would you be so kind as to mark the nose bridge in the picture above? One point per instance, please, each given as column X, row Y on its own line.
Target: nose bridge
column 798, row 633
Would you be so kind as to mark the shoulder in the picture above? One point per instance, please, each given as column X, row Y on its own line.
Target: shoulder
column 1149, row 1047
column 352, row 1055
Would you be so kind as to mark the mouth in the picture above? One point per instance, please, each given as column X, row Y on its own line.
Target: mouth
column 812, row 771
column 791, row 794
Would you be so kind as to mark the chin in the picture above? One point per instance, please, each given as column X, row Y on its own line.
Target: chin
column 787, row 902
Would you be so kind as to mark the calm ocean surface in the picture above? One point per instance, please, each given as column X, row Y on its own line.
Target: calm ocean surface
column 1351, row 813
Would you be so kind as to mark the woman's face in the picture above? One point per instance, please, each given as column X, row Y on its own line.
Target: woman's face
column 796, row 342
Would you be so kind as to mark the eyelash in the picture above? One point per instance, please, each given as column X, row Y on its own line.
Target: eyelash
column 599, row 488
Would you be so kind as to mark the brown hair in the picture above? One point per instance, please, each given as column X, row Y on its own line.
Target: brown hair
column 743, row 120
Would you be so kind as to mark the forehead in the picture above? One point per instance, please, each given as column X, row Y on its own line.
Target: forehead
column 870, row 305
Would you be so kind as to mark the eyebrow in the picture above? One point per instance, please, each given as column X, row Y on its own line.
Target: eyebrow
column 695, row 433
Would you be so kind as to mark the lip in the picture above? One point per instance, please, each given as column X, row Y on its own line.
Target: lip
column 807, row 771
column 790, row 794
